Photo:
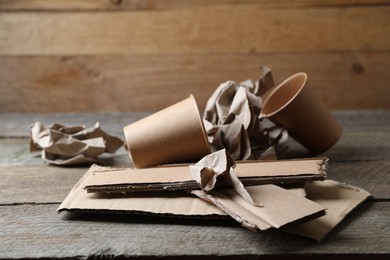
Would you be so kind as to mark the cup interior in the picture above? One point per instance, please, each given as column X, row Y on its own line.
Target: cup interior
column 284, row 94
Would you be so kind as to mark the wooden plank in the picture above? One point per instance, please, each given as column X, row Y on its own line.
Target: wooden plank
column 27, row 230
column 373, row 176
column 363, row 146
column 35, row 5
column 369, row 124
column 226, row 29
column 34, row 182
column 345, row 80
column 17, row 125
column 37, row 184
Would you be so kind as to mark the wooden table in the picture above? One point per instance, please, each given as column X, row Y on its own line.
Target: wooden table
column 31, row 191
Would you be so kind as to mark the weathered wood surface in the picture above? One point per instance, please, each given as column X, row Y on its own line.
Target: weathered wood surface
column 38, row 231
column 45, row 184
column 30, row 192
column 226, row 29
column 17, row 125
column 72, row 5
column 345, row 80
column 123, row 55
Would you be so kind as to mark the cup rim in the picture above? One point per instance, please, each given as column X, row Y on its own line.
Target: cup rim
column 281, row 85
column 205, row 139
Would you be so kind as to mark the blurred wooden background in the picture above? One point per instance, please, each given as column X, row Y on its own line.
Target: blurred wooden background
column 143, row 55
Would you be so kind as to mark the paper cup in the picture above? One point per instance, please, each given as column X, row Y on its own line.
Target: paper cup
column 173, row 135
column 296, row 106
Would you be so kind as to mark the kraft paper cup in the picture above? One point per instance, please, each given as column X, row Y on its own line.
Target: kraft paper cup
column 173, row 135
column 296, row 106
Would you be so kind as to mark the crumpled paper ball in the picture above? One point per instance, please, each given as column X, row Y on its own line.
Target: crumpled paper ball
column 63, row 145
column 233, row 120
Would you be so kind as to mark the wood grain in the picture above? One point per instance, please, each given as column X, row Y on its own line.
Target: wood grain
column 224, row 29
column 22, row 5
column 30, row 193
column 364, row 126
column 36, row 184
column 345, row 80
column 360, row 157
column 28, row 229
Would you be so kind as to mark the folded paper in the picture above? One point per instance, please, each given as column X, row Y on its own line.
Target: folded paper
column 178, row 177
column 218, row 165
column 62, row 145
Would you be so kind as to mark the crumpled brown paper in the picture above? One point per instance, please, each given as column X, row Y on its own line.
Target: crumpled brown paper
column 207, row 170
column 62, row 145
column 232, row 120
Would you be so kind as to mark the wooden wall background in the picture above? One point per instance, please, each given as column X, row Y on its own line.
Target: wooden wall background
column 143, row 55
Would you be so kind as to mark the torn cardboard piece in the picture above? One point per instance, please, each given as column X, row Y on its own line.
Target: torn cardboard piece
column 176, row 203
column 339, row 199
column 62, row 145
column 176, row 177
column 180, row 203
column 279, row 206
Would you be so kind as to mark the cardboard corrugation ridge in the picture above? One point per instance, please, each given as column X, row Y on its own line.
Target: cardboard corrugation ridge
column 323, row 165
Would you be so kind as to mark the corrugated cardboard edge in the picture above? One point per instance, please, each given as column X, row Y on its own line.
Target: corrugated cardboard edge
column 121, row 180
column 79, row 201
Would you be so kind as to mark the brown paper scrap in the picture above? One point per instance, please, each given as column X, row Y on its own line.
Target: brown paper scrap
column 339, row 199
column 231, row 121
column 62, row 145
column 176, row 177
column 278, row 203
column 176, row 203
column 280, row 207
column 218, row 164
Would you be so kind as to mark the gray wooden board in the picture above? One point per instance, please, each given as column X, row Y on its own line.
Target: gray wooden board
column 50, row 184
column 30, row 192
column 17, row 124
column 38, row 231
column 351, row 147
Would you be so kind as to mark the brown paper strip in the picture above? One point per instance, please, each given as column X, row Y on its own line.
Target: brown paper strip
column 179, row 177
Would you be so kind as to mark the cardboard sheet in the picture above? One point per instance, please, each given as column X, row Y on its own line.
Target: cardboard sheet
column 62, row 145
column 178, row 203
column 179, row 176
column 182, row 204
column 339, row 199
